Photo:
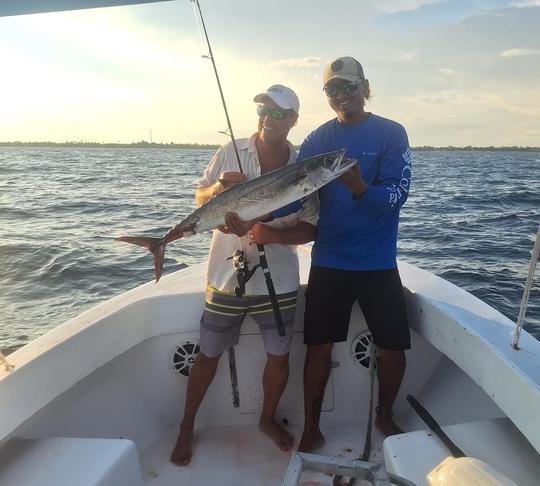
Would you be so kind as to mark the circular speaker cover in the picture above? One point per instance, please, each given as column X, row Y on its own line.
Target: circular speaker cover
column 361, row 348
column 184, row 355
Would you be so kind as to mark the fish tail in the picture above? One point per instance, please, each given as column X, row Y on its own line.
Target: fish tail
column 155, row 245
column 179, row 231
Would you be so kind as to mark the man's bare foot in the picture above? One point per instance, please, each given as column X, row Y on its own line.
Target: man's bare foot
column 181, row 454
column 278, row 434
column 311, row 441
column 387, row 426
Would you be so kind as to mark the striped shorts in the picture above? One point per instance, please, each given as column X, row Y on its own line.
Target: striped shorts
column 224, row 313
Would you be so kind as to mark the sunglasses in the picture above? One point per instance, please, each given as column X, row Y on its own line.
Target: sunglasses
column 344, row 88
column 274, row 113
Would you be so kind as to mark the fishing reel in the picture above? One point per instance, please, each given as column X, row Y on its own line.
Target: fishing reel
column 243, row 273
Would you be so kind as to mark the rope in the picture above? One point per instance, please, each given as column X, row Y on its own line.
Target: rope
column 527, row 291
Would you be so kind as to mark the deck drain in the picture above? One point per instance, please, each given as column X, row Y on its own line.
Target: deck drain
column 184, row 355
column 360, row 348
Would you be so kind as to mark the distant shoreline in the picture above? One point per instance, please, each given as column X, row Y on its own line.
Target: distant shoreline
column 205, row 146
column 112, row 145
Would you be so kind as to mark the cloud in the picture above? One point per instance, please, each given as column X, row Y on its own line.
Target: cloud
column 393, row 6
column 406, row 56
column 477, row 101
column 526, row 3
column 120, row 43
column 446, row 71
column 520, row 52
column 302, row 62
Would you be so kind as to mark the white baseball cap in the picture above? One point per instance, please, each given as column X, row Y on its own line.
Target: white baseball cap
column 281, row 95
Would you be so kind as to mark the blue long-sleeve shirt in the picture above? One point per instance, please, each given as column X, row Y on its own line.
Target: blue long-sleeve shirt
column 361, row 234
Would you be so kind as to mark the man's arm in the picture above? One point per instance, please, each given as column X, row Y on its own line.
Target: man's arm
column 225, row 181
column 263, row 234
column 308, row 212
column 394, row 178
column 291, row 208
column 237, row 226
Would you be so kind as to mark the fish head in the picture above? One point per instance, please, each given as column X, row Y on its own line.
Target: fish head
column 324, row 168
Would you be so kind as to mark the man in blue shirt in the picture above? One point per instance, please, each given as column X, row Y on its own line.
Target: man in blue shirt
column 354, row 255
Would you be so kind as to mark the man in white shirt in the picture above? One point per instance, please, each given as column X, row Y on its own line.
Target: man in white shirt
column 266, row 150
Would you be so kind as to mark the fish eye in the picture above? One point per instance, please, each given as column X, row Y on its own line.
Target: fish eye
column 328, row 162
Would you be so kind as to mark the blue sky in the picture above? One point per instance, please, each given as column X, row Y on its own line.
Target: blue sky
column 463, row 72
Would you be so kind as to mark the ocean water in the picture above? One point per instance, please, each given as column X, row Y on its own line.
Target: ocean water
column 471, row 218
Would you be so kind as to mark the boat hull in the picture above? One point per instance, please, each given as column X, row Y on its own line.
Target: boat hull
column 110, row 374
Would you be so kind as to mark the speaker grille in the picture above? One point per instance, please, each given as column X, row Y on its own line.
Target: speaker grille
column 184, row 355
column 361, row 348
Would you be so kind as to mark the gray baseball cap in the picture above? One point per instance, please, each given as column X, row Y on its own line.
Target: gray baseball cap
column 347, row 68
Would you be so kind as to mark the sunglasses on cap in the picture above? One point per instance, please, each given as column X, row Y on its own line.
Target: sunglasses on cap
column 344, row 88
column 274, row 113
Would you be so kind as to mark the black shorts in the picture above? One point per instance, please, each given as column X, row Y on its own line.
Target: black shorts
column 331, row 293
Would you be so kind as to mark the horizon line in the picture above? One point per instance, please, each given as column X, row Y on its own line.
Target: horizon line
column 146, row 144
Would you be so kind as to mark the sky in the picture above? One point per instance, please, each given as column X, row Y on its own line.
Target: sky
column 457, row 72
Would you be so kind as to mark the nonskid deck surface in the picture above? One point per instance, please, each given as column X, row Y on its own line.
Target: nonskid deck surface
column 242, row 455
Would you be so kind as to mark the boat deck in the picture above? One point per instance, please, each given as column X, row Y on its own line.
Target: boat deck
column 242, row 455
column 118, row 403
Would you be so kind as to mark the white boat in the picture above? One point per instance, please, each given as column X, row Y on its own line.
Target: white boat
column 98, row 400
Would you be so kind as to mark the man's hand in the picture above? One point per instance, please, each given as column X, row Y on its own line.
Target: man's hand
column 352, row 179
column 225, row 181
column 230, row 179
column 261, row 234
column 235, row 225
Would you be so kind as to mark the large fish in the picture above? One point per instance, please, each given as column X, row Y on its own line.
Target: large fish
column 251, row 199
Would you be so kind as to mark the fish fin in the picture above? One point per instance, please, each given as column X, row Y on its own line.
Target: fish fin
column 155, row 245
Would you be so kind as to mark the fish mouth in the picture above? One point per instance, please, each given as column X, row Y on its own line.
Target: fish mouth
column 333, row 165
column 342, row 164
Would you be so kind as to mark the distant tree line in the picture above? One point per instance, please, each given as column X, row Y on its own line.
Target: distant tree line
column 171, row 145
column 477, row 149
column 141, row 144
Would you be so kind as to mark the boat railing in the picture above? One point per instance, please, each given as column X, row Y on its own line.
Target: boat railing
column 527, row 291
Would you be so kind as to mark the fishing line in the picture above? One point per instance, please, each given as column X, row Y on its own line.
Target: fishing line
column 197, row 23
column 260, row 248
column 238, row 27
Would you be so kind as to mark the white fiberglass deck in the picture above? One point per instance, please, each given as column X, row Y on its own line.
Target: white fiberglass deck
column 242, row 455
column 108, row 374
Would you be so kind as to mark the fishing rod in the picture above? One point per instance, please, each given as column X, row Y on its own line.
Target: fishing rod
column 435, row 427
column 263, row 263
column 211, row 57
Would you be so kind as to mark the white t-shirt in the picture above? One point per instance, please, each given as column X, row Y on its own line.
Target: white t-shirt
column 282, row 259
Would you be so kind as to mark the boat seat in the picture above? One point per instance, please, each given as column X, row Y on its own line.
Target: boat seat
column 66, row 461
column 497, row 442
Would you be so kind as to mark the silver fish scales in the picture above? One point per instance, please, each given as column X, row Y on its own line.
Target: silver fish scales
column 251, row 199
